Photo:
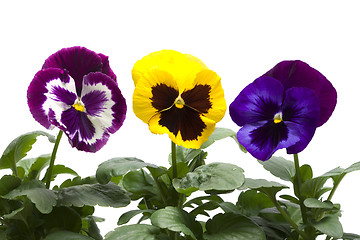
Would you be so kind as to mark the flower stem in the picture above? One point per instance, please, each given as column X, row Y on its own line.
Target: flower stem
column 52, row 159
column 173, row 159
column 288, row 219
column 297, row 188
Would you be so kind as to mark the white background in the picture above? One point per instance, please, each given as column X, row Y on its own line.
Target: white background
column 240, row 40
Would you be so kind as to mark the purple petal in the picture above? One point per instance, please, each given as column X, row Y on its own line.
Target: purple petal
column 259, row 101
column 300, row 74
column 262, row 139
column 301, row 113
column 104, row 113
column 51, row 89
column 106, row 67
column 78, row 61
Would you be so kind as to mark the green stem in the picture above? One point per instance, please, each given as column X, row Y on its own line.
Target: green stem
column 298, row 182
column 287, row 218
column 52, row 160
column 336, row 184
column 163, row 195
column 173, row 159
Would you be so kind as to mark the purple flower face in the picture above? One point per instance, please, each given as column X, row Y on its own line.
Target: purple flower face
column 76, row 91
column 300, row 74
column 282, row 109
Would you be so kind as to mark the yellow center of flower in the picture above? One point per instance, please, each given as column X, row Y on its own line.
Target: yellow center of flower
column 179, row 102
column 79, row 106
column 278, row 117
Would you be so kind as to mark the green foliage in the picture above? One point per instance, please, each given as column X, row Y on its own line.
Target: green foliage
column 230, row 226
column 31, row 211
column 136, row 232
column 280, row 167
column 19, row 148
column 118, row 167
column 213, row 176
column 177, row 220
column 106, row 195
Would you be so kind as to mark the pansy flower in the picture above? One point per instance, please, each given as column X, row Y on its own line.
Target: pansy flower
column 178, row 95
column 282, row 109
column 76, row 91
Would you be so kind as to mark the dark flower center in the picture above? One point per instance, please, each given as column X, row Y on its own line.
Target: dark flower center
column 181, row 113
column 270, row 134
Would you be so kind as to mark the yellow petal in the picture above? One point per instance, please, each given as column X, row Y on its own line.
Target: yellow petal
column 182, row 67
column 142, row 104
column 217, row 99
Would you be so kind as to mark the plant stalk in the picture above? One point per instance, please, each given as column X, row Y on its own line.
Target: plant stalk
column 52, row 159
column 173, row 159
column 288, row 219
column 298, row 182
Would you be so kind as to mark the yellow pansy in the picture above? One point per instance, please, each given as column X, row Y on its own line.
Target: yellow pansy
column 177, row 94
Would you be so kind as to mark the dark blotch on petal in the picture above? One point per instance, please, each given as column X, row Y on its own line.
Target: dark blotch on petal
column 198, row 98
column 94, row 102
column 269, row 135
column 77, row 123
column 184, row 120
column 163, row 96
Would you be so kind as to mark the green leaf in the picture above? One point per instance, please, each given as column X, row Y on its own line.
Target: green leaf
column 140, row 183
column 44, row 199
column 78, row 181
column 8, row 183
column 33, row 166
column 306, row 172
column 106, row 195
column 351, row 236
column 64, row 218
column 230, row 226
column 251, row 202
column 213, row 176
column 136, row 232
column 126, row 217
column 177, row 220
column 90, row 227
column 221, row 133
column 61, row 235
column 280, row 167
column 315, row 203
column 270, row 188
column 60, row 169
column 353, row 167
column 19, row 148
column 119, row 166
column 330, row 225
column 314, row 188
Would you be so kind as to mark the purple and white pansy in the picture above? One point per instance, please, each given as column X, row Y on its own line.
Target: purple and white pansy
column 76, row 91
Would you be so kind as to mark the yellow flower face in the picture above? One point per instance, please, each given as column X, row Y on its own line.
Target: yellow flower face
column 177, row 94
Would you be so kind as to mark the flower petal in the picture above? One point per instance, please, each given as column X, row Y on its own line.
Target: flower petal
column 258, row 101
column 155, row 91
column 53, row 91
column 104, row 113
column 106, row 66
column 206, row 95
column 301, row 112
column 182, row 67
column 186, row 129
column 300, row 74
column 262, row 139
column 78, row 61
